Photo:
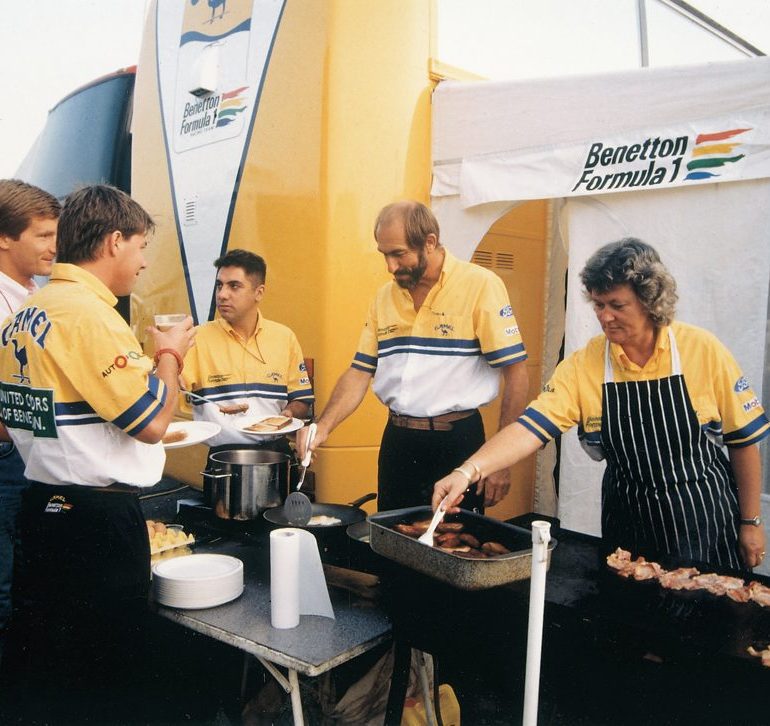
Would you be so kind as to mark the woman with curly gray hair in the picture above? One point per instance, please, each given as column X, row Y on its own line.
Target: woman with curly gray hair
column 657, row 399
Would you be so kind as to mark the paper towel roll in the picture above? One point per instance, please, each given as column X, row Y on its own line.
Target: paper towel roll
column 297, row 583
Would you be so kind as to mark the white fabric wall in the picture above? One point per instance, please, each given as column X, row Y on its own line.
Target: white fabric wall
column 715, row 240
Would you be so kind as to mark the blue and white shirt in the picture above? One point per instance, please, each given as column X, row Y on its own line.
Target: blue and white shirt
column 446, row 356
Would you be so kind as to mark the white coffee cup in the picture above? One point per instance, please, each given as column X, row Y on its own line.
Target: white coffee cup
column 165, row 322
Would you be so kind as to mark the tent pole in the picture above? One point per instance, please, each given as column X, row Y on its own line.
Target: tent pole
column 644, row 51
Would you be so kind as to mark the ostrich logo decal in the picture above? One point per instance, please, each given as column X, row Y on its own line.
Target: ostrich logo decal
column 214, row 4
column 21, row 356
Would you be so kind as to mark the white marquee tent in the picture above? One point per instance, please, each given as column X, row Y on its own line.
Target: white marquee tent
column 679, row 157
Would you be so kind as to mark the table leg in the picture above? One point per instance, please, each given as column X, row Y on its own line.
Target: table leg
column 296, row 700
column 427, row 695
column 399, row 682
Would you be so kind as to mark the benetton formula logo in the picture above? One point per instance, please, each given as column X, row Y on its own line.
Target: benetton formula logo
column 656, row 161
column 213, row 112
column 714, row 151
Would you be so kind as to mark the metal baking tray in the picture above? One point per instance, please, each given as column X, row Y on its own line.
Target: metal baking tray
column 462, row 572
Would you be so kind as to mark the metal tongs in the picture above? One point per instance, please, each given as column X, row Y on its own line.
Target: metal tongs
column 438, row 515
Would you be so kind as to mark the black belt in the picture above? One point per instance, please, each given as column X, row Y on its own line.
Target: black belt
column 443, row 422
column 116, row 487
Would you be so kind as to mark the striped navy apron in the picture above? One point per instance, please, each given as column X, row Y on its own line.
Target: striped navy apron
column 667, row 489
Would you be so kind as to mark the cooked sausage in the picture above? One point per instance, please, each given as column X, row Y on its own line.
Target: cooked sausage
column 450, row 527
column 494, row 548
column 173, row 436
column 469, row 539
column 476, row 554
column 457, row 550
column 447, row 539
column 408, row 529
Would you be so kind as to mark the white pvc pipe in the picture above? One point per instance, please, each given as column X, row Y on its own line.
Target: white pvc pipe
column 541, row 536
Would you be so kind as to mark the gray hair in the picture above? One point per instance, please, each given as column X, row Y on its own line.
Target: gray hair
column 633, row 262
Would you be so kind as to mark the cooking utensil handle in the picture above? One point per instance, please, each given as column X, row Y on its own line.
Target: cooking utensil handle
column 311, row 432
column 364, row 499
column 215, row 476
column 182, row 389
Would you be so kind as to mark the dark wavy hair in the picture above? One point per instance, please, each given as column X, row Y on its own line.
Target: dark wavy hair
column 92, row 213
column 633, row 262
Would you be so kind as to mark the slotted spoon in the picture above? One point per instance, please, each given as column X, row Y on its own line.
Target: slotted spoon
column 297, row 506
column 438, row 515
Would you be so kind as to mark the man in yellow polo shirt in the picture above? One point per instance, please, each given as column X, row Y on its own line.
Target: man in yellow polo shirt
column 86, row 410
column 437, row 340
column 244, row 358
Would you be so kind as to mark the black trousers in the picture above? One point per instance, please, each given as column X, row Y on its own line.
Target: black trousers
column 411, row 461
column 76, row 650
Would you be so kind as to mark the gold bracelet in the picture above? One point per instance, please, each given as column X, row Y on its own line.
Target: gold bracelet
column 470, row 477
column 464, row 473
column 476, row 469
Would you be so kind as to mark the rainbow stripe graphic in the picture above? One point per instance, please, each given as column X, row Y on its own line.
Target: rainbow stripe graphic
column 713, row 151
column 232, row 104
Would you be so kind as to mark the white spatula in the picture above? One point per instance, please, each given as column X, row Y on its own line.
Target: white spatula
column 297, row 507
column 438, row 515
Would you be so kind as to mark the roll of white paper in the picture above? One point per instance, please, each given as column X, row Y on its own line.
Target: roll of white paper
column 297, row 582
column 284, row 578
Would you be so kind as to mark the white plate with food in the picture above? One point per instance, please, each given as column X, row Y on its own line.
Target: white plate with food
column 187, row 433
column 270, row 425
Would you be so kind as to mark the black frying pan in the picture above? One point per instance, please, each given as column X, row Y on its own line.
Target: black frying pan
column 346, row 513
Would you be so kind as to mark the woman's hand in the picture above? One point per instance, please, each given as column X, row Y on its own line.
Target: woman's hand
column 452, row 486
column 751, row 540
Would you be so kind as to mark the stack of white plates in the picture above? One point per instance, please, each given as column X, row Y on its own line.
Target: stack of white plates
column 197, row 581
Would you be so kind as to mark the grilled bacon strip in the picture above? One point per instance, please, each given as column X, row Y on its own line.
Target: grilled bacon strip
column 689, row 578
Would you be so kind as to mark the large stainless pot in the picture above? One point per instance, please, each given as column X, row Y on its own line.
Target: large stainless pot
column 242, row 483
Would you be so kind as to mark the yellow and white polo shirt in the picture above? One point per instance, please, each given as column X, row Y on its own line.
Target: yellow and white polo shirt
column 267, row 371
column 447, row 356
column 75, row 387
column 727, row 408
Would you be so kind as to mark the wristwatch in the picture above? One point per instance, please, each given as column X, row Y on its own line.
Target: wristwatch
column 755, row 521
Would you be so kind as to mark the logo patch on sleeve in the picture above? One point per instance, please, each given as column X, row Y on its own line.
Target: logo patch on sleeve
column 741, row 385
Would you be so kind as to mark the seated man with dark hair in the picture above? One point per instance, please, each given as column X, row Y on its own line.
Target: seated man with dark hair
column 243, row 358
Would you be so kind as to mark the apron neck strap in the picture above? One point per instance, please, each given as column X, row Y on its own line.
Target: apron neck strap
column 676, row 363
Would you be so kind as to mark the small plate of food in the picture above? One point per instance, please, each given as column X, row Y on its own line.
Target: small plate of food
column 270, row 425
column 187, row 433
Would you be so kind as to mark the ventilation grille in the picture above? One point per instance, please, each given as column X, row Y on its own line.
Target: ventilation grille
column 493, row 260
column 190, row 211
column 504, row 261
